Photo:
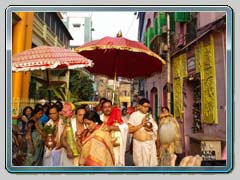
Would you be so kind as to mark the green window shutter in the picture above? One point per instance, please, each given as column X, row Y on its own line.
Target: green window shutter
column 179, row 16
column 145, row 39
column 159, row 21
column 172, row 21
column 150, row 35
column 187, row 16
column 162, row 19
column 156, row 25
column 182, row 16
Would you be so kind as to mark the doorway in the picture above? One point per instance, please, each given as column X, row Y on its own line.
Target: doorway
column 192, row 108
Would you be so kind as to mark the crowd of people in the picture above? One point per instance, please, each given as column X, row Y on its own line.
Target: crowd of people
column 50, row 135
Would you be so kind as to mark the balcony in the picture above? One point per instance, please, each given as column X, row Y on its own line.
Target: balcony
column 43, row 35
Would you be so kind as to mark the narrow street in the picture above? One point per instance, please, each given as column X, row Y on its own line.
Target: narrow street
column 83, row 83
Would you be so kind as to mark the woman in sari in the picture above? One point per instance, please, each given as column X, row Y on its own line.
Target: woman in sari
column 34, row 138
column 24, row 118
column 96, row 145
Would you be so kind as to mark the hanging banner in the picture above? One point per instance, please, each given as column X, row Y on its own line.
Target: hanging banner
column 179, row 72
column 208, row 81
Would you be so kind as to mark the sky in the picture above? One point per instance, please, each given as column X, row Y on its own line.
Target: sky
column 109, row 23
column 104, row 24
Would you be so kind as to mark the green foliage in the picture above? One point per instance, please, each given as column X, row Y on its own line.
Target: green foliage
column 49, row 129
column 40, row 93
column 32, row 88
column 64, row 94
column 81, row 88
column 82, row 85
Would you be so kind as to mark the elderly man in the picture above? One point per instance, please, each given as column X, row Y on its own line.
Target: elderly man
column 144, row 130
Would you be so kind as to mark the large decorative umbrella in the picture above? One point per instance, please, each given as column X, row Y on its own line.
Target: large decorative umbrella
column 119, row 56
column 48, row 57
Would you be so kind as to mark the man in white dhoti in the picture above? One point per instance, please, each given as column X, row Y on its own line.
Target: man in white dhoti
column 54, row 157
column 118, row 130
column 144, row 130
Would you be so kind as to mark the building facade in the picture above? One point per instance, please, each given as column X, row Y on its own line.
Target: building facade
column 198, row 58
column 105, row 88
column 80, row 27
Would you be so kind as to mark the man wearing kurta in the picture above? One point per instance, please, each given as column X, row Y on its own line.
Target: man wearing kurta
column 144, row 137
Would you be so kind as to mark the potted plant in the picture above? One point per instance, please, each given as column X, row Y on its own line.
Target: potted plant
column 49, row 131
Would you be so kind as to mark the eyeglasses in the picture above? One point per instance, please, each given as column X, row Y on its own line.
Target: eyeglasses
column 145, row 106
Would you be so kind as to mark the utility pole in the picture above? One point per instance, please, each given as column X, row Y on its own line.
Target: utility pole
column 168, row 63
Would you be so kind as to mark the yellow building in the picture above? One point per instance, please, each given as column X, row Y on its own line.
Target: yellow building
column 125, row 93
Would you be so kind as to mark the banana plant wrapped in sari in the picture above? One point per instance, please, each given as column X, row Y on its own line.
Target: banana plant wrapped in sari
column 97, row 149
column 170, row 139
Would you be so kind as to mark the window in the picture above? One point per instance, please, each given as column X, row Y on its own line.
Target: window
column 76, row 25
column 48, row 19
column 192, row 29
column 59, row 31
column 53, row 21
column 55, row 28
column 41, row 15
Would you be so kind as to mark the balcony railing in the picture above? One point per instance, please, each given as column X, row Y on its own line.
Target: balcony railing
column 43, row 32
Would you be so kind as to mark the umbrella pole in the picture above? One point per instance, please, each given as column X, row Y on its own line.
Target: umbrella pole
column 114, row 87
column 48, row 83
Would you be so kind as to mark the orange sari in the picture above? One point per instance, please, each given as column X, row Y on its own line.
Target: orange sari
column 97, row 150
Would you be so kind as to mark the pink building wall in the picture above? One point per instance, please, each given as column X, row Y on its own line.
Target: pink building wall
column 188, row 116
column 150, row 83
column 215, row 130
column 158, row 81
column 149, row 15
column 204, row 18
column 219, row 130
column 180, row 31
